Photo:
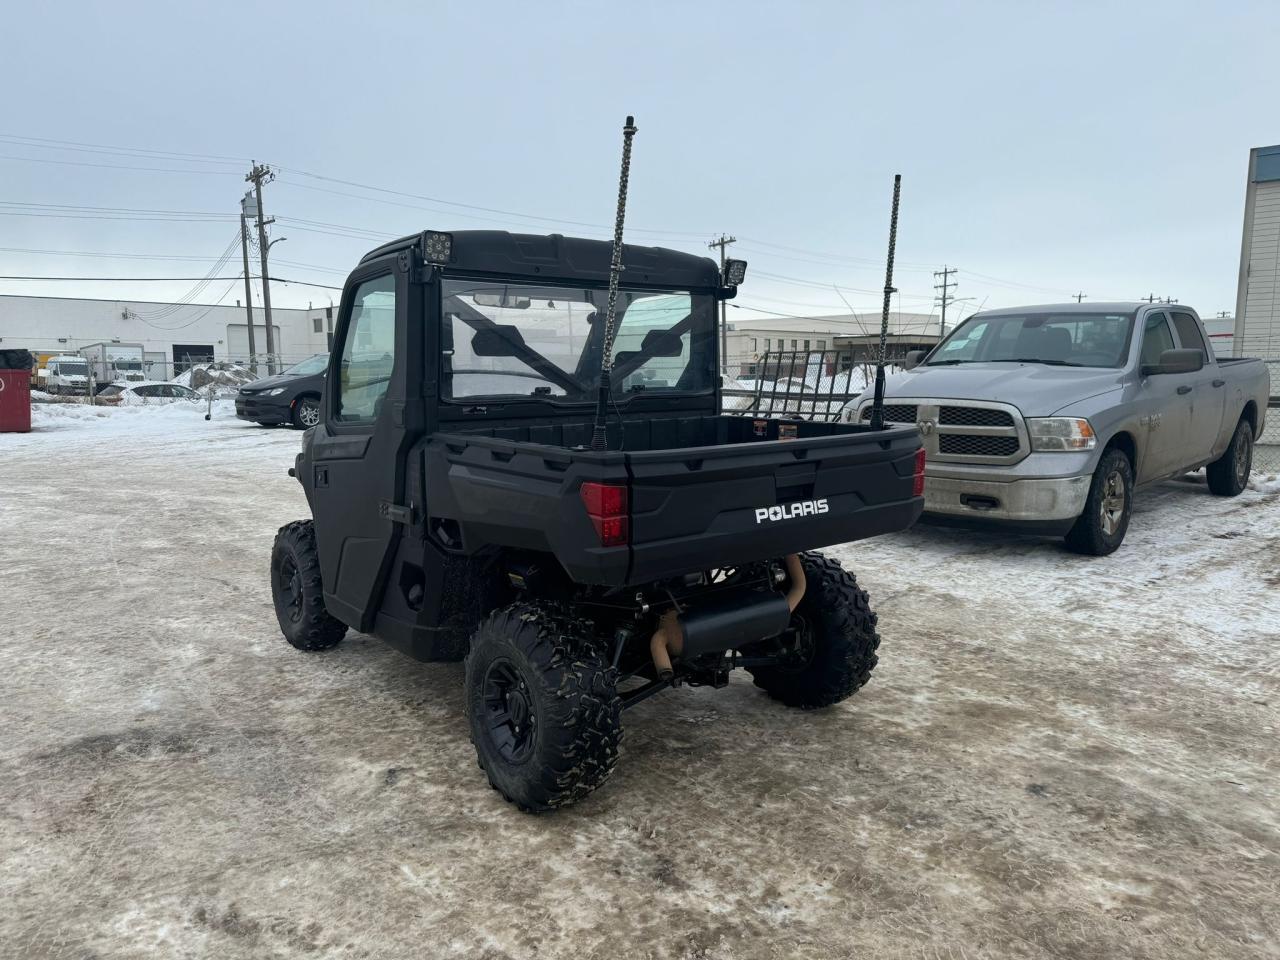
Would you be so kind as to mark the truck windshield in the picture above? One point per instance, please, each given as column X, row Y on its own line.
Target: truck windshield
column 1059, row 339
column 72, row 370
column 506, row 339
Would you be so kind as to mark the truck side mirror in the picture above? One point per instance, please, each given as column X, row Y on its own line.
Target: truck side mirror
column 913, row 359
column 1175, row 361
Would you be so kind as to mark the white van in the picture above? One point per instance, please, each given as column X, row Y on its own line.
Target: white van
column 67, row 374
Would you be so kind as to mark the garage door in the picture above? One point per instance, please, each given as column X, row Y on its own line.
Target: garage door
column 238, row 340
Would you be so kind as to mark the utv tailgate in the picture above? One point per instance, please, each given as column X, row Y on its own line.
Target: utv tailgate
column 703, row 507
column 690, row 508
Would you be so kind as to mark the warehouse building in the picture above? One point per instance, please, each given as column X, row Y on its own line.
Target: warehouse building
column 172, row 335
column 1257, row 320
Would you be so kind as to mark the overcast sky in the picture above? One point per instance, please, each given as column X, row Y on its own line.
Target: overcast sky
column 1044, row 149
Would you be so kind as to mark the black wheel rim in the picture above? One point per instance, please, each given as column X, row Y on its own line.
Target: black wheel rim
column 509, row 716
column 1243, row 449
column 289, row 586
column 309, row 413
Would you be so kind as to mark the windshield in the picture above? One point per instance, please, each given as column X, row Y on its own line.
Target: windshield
column 72, row 370
column 110, row 391
column 1061, row 339
column 503, row 339
column 309, row 366
column 127, row 364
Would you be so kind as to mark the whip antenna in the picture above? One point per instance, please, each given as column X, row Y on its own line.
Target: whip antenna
column 599, row 434
column 877, row 406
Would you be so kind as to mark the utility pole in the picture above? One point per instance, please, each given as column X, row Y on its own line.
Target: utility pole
column 256, row 176
column 248, row 286
column 945, row 273
column 724, row 322
column 1150, row 298
column 1223, row 314
column 1080, row 297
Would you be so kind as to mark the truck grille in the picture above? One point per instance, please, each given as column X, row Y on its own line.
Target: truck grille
column 894, row 413
column 974, row 417
column 974, row 431
column 971, row 446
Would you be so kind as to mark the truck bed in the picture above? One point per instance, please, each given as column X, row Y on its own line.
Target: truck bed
column 701, row 489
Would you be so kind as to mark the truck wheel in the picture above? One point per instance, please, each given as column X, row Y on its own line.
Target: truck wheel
column 1100, row 529
column 1229, row 474
column 837, row 637
column 545, row 716
column 306, row 412
column 298, row 591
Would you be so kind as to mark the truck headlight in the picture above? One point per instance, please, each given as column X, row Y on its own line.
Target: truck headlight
column 1061, row 434
column 276, row 392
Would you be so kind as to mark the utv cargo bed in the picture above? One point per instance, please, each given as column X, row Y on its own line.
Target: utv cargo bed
column 700, row 491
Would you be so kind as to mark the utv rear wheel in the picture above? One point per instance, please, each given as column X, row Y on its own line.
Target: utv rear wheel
column 837, row 636
column 1229, row 474
column 298, row 590
column 1100, row 529
column 306, row 412
column 541, row 700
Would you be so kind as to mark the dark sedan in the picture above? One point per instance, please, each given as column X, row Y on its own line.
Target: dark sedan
column 291, row 397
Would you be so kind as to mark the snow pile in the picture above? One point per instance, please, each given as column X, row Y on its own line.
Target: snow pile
column 100, row 421
column 1265, row 483
column 221, row 377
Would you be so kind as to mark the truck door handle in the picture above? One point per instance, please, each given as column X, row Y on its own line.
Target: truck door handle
column 1219, row 383
column 1184, row 389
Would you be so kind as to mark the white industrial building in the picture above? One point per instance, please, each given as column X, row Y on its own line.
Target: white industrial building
column 172, row 335
column 1257, row 320
column 855, row 336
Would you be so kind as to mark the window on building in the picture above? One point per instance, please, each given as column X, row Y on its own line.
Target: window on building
column 317, row 325
column 795, row 344
column 806, row 344
column 754, row 348
column 822, row 344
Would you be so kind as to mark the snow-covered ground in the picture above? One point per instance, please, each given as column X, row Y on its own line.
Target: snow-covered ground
column 1056, row 757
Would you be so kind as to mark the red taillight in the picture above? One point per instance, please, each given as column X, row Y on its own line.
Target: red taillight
column 606, row 505
column 917, row 485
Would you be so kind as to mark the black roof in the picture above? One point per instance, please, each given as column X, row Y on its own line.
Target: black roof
column 557, row 257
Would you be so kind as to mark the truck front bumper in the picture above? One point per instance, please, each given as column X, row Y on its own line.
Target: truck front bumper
column 1047, row 506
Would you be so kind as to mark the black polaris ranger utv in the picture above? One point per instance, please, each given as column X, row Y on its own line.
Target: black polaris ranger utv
column 459, row 511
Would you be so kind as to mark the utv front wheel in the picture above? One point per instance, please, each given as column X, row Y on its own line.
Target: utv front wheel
column 298, row 590
column 545, row 715
column 837, row 640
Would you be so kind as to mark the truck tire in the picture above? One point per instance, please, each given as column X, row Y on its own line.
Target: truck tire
column 838, row 627
column 1229, row 474
column 545, row 715
column 1101, row 527
column 297, row 590
column 306, row 412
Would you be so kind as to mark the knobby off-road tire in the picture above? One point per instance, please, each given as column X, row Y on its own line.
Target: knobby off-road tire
column 545, row 716
column 838, row 631
column 1102, row 525
column 306, row 413
column 297, row 590
column 1229, row 474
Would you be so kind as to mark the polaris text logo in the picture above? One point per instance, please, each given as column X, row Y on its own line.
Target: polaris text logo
column 789, row 511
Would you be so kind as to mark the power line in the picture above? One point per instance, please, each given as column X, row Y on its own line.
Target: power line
column 303, row 283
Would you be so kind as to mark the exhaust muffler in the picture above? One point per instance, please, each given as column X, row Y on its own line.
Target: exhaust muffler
column 725, row 623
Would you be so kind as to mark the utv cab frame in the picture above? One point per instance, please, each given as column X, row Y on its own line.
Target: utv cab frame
column 460, row 513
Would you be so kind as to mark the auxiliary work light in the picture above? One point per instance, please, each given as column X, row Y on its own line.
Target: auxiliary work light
column 437, row 247
column 735, row 271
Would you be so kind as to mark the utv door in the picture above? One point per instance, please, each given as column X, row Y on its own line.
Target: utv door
column 359, row 449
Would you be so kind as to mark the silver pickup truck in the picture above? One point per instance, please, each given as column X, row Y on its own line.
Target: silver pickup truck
column 1046, row 419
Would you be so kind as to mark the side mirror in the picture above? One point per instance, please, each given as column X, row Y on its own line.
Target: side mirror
column 1175, row 361
column 500, row 340
column 914, row 358
column 661, row 343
